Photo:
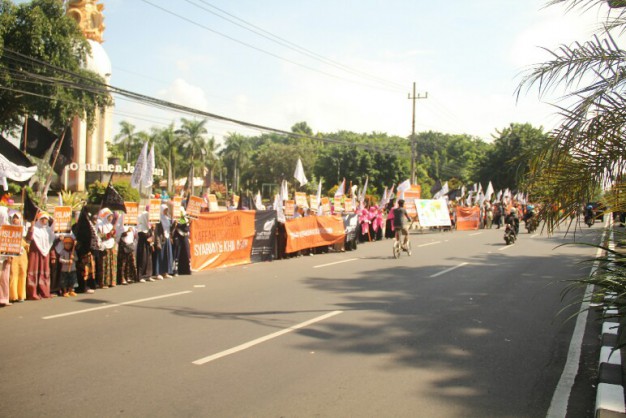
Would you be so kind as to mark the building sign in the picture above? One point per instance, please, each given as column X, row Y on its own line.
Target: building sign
column 108, row 168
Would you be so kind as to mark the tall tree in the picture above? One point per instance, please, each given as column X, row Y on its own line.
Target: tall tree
column 127, row 139
column 586, row 152
column 236, row 151
column 39, row 42
column 166, row 144
column 193, row 143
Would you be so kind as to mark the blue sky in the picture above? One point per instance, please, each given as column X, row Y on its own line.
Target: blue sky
column 468, row 56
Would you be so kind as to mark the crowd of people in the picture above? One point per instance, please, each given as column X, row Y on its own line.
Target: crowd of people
column 51, row 264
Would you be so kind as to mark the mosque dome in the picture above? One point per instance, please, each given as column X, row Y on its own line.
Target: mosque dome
column 98, row 61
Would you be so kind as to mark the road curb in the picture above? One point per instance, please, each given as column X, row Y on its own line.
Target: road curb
column 610, row 401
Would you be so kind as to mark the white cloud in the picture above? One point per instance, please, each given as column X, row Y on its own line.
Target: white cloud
column 183, row 93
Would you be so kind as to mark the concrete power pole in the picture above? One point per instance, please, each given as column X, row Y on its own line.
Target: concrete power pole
column 413, row 148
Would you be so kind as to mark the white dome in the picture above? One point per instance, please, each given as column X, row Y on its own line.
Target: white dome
column 98, row 61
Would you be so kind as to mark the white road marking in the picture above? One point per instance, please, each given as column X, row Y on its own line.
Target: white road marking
column 504, row 248
column 448, row 270
column 199, row 285
column 475, row 233
column 336, row 262
column 263, row 339
column 429, row 243
column 560, row 398
column 113, row 305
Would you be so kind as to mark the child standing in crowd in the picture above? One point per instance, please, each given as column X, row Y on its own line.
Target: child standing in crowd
column 126, row 266
column 19, row 266
column 67, row 266
column 106, row 231
column 41, row 236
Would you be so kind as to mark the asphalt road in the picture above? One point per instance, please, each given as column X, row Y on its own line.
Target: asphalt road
column 465, row 327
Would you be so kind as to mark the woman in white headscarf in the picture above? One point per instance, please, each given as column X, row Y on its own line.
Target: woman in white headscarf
column 5, row 264
column 41, row 236
column 106, row 231
column 19, row 266
column 162, row 259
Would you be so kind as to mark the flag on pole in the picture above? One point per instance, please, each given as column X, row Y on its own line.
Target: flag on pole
column 435, row 189
column 140, row 168
column 29, row 209
column 65, row 153
column 113, row 200
column 13, row 163
column 402, row 187
column 489, row 192
column 319, row 191
column 258, row 203
column 341, row 190
column 284, row 192
column 442, row 192
column 36, row 139
column 364, row 191
column 148, row 176
column 385, row 199
column 299, row 173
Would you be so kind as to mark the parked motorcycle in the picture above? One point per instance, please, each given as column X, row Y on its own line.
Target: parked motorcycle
column 509, row 235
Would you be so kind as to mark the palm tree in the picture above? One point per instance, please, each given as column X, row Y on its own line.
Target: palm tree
column 236, row 151
column 127, row 138
column 586, row 153
column 192, row 143
column 166, row 146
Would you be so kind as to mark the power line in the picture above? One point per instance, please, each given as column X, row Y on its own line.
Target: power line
column 103, row 88
column 291, row 45
column 200, row 25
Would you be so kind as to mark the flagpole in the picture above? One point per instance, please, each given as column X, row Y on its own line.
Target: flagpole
column 44, row 196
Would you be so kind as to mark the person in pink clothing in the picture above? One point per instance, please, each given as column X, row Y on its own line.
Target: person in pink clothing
column 5, row 264
column 41, row 236
column 364, row 222
column 389, row 231
column 376, row 223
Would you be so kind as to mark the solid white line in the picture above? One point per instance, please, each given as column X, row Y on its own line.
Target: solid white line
column 107, row 306
column 475, row 233
column 504, row 248
column 448, row 270
column 560, row 398
column 263, row 339
column 429, row 243
column 336, row 262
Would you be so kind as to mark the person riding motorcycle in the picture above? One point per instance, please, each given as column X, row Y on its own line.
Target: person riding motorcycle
column 589, row 213
column 513, row 220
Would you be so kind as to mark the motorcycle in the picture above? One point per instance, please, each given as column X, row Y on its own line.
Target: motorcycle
column 589, row 220
column 509, row 234
column 531, row 224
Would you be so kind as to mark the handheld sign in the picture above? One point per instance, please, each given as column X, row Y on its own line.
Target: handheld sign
column 132, row 212
column 301, row 200
column 11, row 239
column 235, row 201
column 315, row 204
column 194, row 206
column 290, row 208
column 62, row 219
column 349, row 206
column 155, row 210
column 325, row 206
column 213, row 207
column 176, row 205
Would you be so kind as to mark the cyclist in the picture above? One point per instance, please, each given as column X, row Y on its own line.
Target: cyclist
column 401, row 222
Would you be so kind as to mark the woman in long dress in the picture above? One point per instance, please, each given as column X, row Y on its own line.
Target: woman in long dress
column 163, row 256
column 41, row 235
column 182, row 254
column 19, row 266
column 145, row 247
column 108, row 255
column 5, row 264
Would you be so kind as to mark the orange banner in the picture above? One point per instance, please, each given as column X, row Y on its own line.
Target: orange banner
column 154, row 214
column 62, row 219
column 313, row 231
column 11, row 239
column 221, row 239
column 132, row 212
column 467, row 218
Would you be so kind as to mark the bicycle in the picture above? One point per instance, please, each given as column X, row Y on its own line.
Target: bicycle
column 398, row 247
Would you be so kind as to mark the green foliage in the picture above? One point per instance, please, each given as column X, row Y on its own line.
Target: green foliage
column 96, row 190
column 37, row 37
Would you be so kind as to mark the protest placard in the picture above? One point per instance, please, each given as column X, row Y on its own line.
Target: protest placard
column 11, row 239
column 155, row 210
column 132, row 212
column 194, row 206
column 62, row 219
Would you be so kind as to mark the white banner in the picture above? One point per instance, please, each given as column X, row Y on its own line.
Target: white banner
column 433, row 212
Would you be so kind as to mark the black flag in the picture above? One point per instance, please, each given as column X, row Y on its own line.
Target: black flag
column 436, row 187
column 30, row 209
column 85, row 233
column 36, row 139
column 455, row 194
column 66, row 153
column 113, row 200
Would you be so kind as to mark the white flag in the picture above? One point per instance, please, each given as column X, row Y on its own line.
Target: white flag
column 319, row 191
column 284, row 192
column 140, row 168
column 385, row 199
column 299, row 173
column 341, row 190
column 402, row 187
column 441, row 193
column 258, row 203
column 489, row 192
column 362, row 195
column 148, row 176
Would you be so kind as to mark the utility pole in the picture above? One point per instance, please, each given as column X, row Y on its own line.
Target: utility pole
column 413, row 148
